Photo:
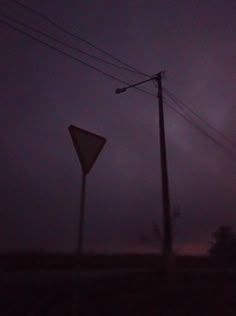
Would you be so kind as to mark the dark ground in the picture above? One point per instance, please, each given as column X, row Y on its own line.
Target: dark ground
column 144, row 293
column 198, row 288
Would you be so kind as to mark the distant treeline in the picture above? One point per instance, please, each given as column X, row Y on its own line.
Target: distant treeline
column 95, row 261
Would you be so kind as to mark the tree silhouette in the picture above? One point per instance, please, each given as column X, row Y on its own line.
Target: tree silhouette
column 223, row 247
column 154, row 238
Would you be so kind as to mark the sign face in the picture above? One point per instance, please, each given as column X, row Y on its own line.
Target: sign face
column 88, row 146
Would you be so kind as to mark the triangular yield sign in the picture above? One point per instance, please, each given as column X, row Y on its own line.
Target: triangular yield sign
column 88, row 146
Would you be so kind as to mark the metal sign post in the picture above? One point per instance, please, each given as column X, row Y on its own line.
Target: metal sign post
column 88, row 146
column 81, row 218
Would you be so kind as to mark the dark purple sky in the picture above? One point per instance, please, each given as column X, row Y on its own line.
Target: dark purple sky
column 42, row 93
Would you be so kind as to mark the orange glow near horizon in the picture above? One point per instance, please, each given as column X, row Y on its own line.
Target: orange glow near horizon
column 191, row 249
column 197, row 248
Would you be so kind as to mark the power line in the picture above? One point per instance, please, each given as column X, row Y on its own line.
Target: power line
column 69, row 55
column 63, row 42
column 182, row 104
column 74, row 35
column 109, row 76
column 225, row 149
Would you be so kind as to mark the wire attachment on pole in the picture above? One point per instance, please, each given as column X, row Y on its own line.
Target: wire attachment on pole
column 118, row 91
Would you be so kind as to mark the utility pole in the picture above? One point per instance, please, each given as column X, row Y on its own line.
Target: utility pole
column 167, row 246
column 167, row 222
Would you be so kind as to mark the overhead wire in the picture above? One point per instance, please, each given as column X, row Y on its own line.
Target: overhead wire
column 32, row 28
column 183, row 105
column 191, row 121
column 62, row 52
column 77, row 37
column 225, row 149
